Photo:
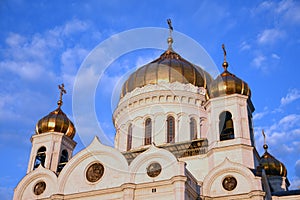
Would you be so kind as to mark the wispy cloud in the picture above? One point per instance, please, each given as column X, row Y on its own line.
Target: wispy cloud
column 245, row 46
column 285, row 12
column 286, row 129
column 258, row 61
column 275, row 56
column 75, row 26
column 71, row 59
column 270, row 36
column 291, row 96
column 30, row 61
column 260, row 115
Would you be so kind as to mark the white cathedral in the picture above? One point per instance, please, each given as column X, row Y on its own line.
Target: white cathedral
column 180, row 134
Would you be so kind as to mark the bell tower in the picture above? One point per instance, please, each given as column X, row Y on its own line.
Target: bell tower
column 230, row 115
column 52, row 143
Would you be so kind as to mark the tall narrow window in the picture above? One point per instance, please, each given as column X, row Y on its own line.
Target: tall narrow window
column 193, row 129
column 226, row 126
column 148, row 131
column 251, row 128
column 170, row 129
column 129, row 137
column 64, row 158
column 40, row 157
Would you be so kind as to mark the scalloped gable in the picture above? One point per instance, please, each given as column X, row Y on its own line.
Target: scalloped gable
column 170, row 165
column 24, row 188
column 248, row 181
column 110, row 157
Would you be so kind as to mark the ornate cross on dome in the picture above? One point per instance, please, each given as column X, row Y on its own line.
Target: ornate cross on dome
column 62, row 91
column 224, row 50
column 225, row 63
column 170, row 39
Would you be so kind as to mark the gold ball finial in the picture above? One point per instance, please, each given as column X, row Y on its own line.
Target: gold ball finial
column 170, row 39
column 225, row 65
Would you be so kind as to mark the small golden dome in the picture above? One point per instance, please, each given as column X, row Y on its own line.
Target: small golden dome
column 169, row 67
column 227, row 83
column 271, row 165
column 56, row 121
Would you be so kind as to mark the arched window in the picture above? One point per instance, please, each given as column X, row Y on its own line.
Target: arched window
column 64, row 158
column 226, row 126
column 40, row 157
column 170, row 129
column 129, row 137
column 148, row 131
column 193, row 129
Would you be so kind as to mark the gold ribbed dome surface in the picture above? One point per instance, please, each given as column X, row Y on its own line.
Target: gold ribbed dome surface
column 169, row 67
column 227, row 83
column 271, row 165
column 56, row 121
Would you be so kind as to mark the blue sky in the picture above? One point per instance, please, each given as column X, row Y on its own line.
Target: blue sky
column 43, row 44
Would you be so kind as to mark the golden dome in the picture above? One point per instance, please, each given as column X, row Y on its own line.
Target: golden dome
column 227, row 83
column 271, row 165
column 56, row 121
column 169, row 67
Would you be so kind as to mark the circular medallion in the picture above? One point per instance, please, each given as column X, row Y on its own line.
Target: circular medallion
column 229, row 183
column 39, row 188
column 94, row 172
column 153, row 169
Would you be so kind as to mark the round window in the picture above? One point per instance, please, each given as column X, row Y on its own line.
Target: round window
column 39, row 188
column 229, row 183
column 94, row 172
column 154, row 169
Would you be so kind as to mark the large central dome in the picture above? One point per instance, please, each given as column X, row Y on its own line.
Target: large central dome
column 169, row 67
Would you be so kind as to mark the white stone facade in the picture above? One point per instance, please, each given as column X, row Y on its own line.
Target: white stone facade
column 180, row 153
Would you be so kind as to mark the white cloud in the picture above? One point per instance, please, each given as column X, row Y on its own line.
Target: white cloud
column 275, row 56
column 260, row 115
column 245, row 46
column 270, row 36
column 287, row 123
column 286, row 129
column 258, row 61
column 71, row 59
column 285, row 12
column 284, row 5
column 291, row 96
column 75, row 26
column 15, row 39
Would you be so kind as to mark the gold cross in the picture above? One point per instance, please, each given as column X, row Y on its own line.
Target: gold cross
column 263, row 133
column 224, row 50
column 170, row 24
column 62, row 91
